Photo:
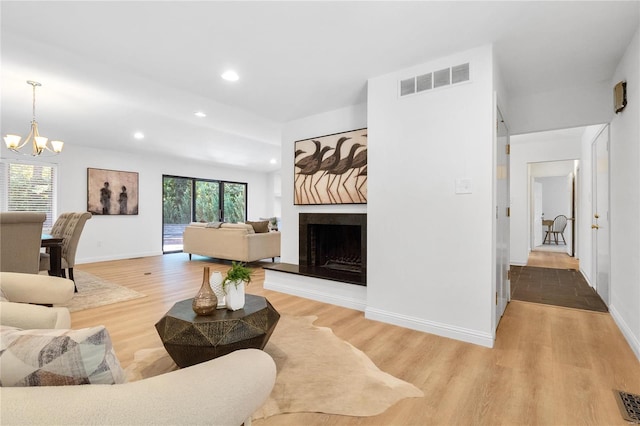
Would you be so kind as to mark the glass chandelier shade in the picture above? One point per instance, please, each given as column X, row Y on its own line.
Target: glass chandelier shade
column 39, row 144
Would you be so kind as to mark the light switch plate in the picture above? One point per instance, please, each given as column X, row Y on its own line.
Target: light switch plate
column 463, row 186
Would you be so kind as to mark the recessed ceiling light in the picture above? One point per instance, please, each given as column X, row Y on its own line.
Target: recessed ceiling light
column 273, row 161
column 138, row 135
column 230, row 75
column 200, row 114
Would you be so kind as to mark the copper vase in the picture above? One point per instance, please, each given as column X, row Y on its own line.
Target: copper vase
column 205, row 302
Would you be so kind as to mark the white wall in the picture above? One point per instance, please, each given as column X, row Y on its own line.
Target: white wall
column 625, row 201
column 561, row 108
column 122, row 237
column 554, row 196
column 420, row 230
column 521, row 155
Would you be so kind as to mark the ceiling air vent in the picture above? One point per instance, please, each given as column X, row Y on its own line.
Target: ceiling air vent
column 460, row 73
column 408, row 86
column 424, row 82
column 442, row 78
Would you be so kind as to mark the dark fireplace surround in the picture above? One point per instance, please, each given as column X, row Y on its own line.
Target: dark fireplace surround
column 334, row 246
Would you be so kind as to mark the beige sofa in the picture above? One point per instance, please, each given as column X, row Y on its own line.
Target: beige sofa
column 232, row 241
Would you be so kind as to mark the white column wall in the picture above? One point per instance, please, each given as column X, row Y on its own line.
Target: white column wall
column 336, row 121
column 430, row 249
column 624, row 155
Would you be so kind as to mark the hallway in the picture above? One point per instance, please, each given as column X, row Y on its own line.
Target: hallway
column 554, row 279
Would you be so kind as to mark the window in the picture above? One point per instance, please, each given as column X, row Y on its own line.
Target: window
column 186, row 200
column 29, row 187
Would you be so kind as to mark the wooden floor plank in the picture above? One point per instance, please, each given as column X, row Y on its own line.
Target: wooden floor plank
column 550, row 365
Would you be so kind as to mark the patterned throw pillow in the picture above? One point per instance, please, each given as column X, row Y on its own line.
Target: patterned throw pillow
column 57, row 357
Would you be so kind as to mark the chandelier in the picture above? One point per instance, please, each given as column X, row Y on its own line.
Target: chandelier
column 39, row 143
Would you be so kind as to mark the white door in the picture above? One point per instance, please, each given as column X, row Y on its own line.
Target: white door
column 537, row 214
column 502, row 219
column 600, row 213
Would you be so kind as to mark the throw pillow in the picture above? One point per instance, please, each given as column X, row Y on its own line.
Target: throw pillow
column 57, row 357
column 259, row 227
column 213, row 225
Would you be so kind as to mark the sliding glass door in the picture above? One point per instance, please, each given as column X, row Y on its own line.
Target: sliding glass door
column 186, row 200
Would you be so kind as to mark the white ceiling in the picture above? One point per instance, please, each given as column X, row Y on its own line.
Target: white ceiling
column 109, row 69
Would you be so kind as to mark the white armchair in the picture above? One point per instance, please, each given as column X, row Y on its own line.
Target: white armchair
column 20, row 290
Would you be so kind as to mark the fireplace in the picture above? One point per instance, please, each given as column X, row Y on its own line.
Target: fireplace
column 334, row 245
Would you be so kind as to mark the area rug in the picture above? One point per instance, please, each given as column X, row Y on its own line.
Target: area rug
column 317, row 372
column 94, row 291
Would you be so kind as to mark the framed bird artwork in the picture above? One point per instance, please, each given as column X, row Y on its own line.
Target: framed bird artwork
column 331, row 169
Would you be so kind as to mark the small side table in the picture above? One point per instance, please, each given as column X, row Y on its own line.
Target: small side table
column 191, row 339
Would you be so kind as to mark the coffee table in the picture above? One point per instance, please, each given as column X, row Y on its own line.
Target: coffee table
column 191, row 339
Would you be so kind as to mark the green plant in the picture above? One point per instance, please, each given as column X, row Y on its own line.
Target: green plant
column 237, row 273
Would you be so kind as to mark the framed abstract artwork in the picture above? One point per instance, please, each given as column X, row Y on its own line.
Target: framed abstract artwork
column 112, row 192
column 331, row 169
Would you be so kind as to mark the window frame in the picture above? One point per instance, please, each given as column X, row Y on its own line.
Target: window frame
column 221, row 185
column 6, row 163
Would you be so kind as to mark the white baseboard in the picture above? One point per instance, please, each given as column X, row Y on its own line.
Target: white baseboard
column 518, row 263
column 626, row 331
column 118, row 257
column 586, row 278
column 439, row 329
column 335, row 293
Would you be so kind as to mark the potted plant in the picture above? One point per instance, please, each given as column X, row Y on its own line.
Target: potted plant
column 233, row 285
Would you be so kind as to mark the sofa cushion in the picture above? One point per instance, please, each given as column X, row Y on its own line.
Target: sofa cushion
column 240, row 226
column 57, row 357
column 259, row 227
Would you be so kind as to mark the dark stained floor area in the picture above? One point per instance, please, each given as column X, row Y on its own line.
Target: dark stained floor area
column 559, row 287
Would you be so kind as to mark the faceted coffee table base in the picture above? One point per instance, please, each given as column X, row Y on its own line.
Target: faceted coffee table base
column 190, row 339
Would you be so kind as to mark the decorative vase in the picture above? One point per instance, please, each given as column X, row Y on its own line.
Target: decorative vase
column 205, row 302
column 235, row 295
column 216, row 286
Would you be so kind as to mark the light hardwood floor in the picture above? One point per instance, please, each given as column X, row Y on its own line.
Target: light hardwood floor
column 549, row 259
column 549, row 366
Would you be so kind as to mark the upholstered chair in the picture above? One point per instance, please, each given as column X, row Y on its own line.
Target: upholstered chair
column 20, row 240
column 60, row 224
column 23, row 296
column 71, row 237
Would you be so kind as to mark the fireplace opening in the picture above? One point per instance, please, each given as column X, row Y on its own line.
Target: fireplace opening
column 336, row 247
column 335, row 243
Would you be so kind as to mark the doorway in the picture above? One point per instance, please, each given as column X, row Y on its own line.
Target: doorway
column 580, row 161
column 553, row 206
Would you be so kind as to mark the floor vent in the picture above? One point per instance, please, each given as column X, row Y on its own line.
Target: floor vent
column 433, row 80
column 629, row 405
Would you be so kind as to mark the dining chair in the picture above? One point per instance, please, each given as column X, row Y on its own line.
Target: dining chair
column 559, row 225
column 60, row 224
column 71, row 236
column 20, row 239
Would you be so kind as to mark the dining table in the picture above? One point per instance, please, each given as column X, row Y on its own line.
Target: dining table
column 54, row 244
